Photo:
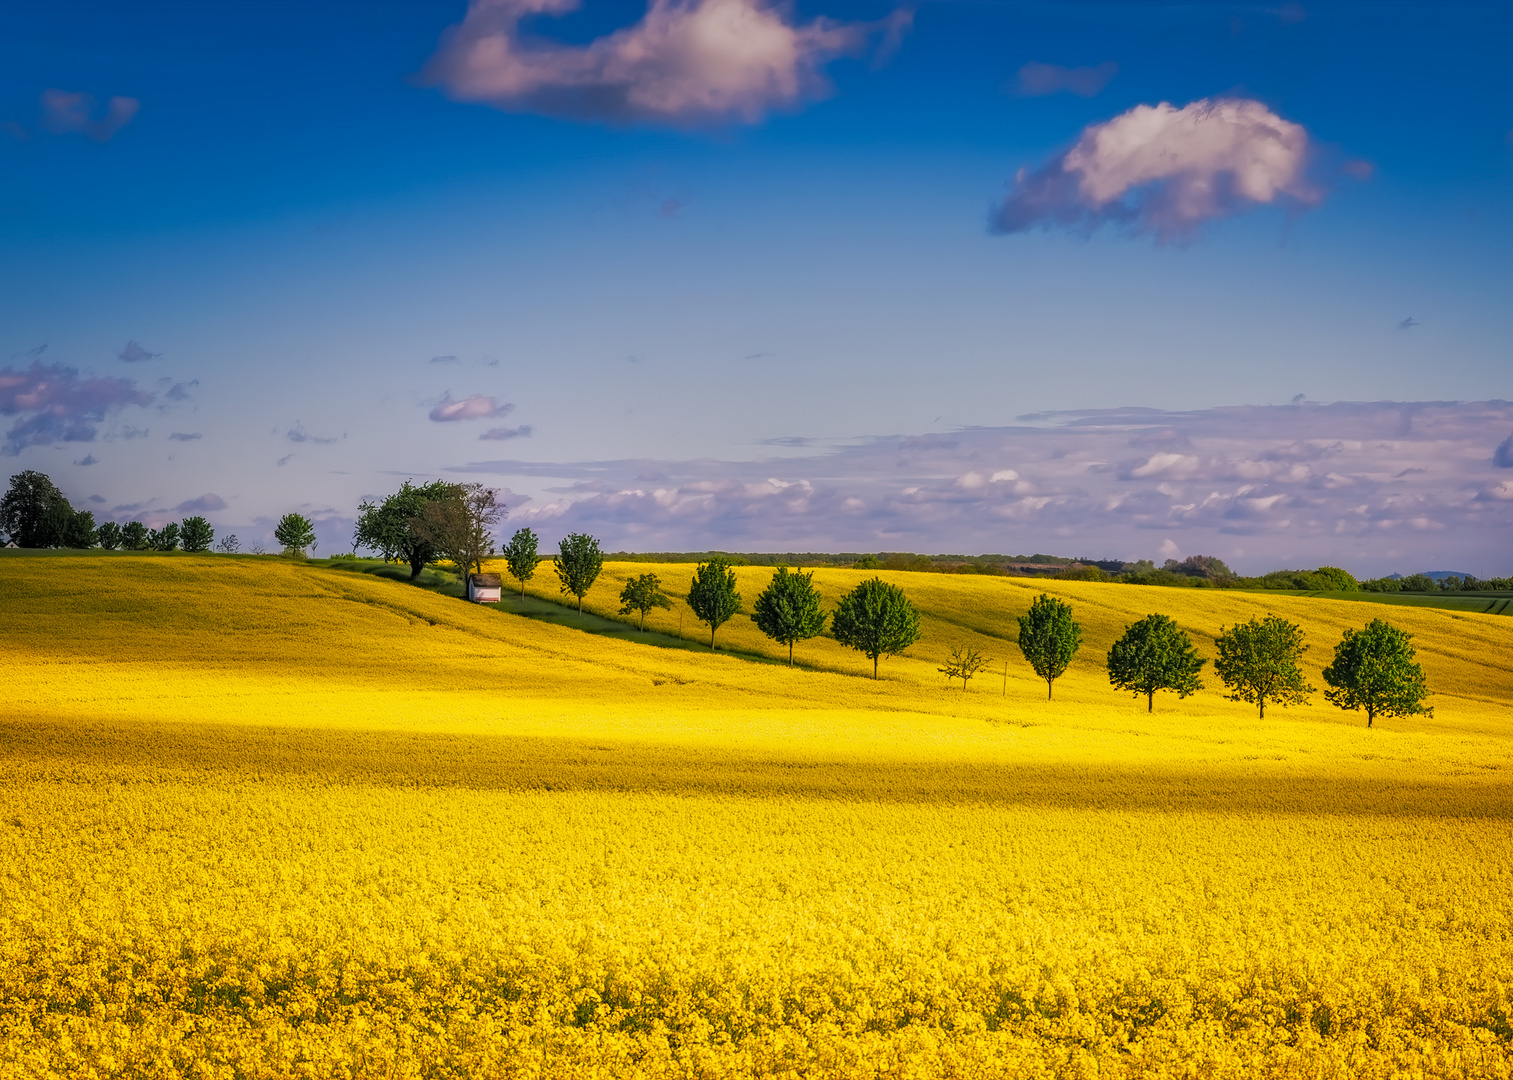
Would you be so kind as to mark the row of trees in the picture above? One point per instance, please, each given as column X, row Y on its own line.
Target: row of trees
column 875, row 618
column 1374, row 669
column 35, row 514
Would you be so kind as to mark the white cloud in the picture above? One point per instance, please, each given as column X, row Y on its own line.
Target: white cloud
column 474, row 407
column 1165, row 170
column 686, row 61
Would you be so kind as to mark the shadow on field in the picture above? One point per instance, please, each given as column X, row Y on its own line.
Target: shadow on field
column 534, row 607
column 130, row 753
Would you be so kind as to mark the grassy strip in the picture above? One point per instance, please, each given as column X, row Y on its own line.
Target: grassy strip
column 543, row 610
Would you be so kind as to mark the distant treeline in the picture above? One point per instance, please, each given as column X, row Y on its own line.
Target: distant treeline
column 35, row 514
column 1196, row 571
column 1036, row 565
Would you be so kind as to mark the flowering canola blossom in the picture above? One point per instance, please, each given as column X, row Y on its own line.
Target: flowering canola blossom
column 262, row 818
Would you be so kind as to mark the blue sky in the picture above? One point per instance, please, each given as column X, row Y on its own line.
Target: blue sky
column 340, row 244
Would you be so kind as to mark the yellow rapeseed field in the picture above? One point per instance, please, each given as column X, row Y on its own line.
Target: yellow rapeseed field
column 262, row 818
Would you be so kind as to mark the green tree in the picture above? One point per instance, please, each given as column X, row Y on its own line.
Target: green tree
column 1049, row 638
column 578, row 563
column 78, row 529
column 1336, row 579
column 166, row 538
column 295, row 534
column 712, row 594
column 460, row 525
column 108, row 535
column 1374, row 669
column 1258, row 661
column 521, row 556
column 196, row 534
column 134, row 536
column 788, row 609
column 1155, row 654
column 876, row 619
column 641, row 594
column 963, row 663
column 33, row 511
column 389, row 527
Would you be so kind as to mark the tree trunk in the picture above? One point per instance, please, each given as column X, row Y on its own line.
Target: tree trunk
column 711, row 637
column 1263, row 709
column 874, row 668
column 643, row 622
column 1048, row 684
column 416, row 566
column 790, row 654
column 1370, row 715
column 1150, row 701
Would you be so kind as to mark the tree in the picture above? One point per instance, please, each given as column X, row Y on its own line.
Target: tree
column 389, row 527
column 578, row 563
column 166, row 538
column 229, row 544
column 108, row 535
column 1258, row 662
column 77, row 528
column 1337, row 580
column 1155, row 654
column 963, row 663
column 521, row 557
column 134, row 536
column 460, row 525
column 1049, row 638
column 30, row 512
column 642, row 594
column 295, row 534
column 1374, row 669
column 196, row 534
column 788, row 609
column 712, row 594
column 876, row 619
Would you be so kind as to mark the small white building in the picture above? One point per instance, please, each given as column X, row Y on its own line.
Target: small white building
column 484, row 588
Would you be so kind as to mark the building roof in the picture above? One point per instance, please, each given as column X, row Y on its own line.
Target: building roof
column 486, row 581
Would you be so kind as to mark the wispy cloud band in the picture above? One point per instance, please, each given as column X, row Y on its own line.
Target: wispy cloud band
column 1375, row 486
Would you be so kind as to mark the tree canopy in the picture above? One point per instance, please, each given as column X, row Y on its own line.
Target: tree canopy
column 712, row 594
column 1155, row 654
column 196, row 534
column 134, row 536
column 641, row 594
column 460, row 525
column 876, row 619
column 521, row 556
column 1374, row 669
column 1258, row 661
column 963, row 663
column 295, row 534
column 167, row 538
column 33, row 512
column 389, row 527
column 788, row 609
column 1049, row 637
column 578, row 563
column 108, row 535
